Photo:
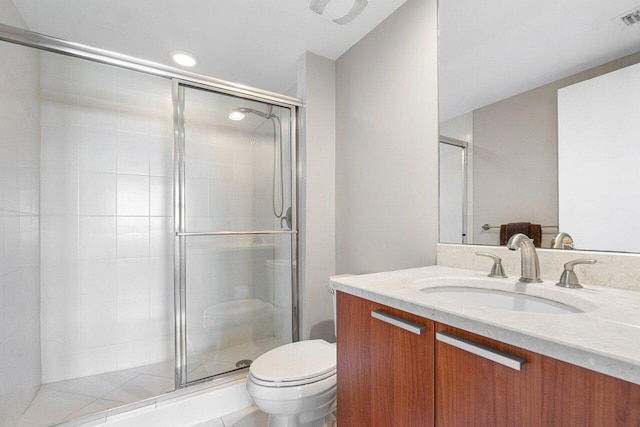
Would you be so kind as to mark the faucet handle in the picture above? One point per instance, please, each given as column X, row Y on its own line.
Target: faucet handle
column 497, row 270
column 569, row 279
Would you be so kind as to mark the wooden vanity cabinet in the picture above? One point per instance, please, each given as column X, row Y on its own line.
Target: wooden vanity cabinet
column 385, row 373
column 389, row 376
column 473, row 390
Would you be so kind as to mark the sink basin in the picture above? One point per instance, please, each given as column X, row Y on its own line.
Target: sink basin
column 498, row 299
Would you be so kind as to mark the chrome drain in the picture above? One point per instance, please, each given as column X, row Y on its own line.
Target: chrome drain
column 244, row 363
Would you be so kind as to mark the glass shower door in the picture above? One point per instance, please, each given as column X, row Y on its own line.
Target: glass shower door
column 236, row 231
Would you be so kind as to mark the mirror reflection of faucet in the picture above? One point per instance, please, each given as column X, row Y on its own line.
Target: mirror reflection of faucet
column 562, row 240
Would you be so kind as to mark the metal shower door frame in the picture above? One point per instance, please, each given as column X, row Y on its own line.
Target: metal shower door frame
column 181, row 234
column 464, row 146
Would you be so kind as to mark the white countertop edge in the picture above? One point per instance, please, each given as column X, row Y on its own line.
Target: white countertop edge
column 589, row 359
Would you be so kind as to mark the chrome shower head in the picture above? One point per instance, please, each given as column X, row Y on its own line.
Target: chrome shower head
column 244, row 110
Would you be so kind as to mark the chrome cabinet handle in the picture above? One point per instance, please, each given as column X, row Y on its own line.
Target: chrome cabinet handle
column 414, row 328
column 506, row 359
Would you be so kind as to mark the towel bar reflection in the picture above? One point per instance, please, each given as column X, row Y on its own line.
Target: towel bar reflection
column 486, row 227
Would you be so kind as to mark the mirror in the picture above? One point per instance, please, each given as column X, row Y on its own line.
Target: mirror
column 522, row 82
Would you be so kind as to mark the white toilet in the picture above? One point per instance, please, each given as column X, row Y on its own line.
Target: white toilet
column 295, row 383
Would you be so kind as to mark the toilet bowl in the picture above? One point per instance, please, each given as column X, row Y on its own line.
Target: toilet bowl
column 295, row 383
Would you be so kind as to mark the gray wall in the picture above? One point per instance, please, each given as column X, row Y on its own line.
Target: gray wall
column 387, row 145
column 515, row 144
column 316, row 85
column 19, row 223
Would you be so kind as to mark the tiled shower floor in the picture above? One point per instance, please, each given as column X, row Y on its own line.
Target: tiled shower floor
column 66, row 400
column 205, row 365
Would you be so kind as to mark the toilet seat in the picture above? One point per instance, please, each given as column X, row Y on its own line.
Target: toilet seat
column 295, row 364
column 293, row 383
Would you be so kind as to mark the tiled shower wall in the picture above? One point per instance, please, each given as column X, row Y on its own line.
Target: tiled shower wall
column 106, row 205
column 19, row 229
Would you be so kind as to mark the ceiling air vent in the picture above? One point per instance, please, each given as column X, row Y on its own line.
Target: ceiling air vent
column 631, row 18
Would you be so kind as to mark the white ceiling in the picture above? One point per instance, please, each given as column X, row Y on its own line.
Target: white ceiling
column 493, row 49
column 255, row 42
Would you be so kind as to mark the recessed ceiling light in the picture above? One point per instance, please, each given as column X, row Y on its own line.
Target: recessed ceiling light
column 236, row 115
column 183, row 58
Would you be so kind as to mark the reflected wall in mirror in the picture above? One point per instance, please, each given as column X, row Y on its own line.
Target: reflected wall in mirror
column 500, row 78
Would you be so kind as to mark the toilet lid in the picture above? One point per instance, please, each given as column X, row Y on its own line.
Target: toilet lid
column 296, row 361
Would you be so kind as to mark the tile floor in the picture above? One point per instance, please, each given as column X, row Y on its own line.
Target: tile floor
column 252, row 417
column 70, row 399
column 67, row 400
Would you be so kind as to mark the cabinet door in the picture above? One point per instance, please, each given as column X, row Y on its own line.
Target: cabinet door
column 385, row 365
column 475, row 390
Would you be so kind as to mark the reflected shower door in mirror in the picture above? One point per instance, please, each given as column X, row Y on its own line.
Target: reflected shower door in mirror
column 499, row 81
column 453, row 190
column 236, row 231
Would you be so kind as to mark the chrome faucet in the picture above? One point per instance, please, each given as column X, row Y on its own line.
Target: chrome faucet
column 530, row 263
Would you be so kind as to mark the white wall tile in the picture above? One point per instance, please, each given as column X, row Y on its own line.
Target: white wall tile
column 161, row 156
column 100, row 259
column 197, row 197
column 59, row 238
column 133, row 320
column 98, row 149
column 59, row 108
column 11, row 242
column 161, row 236
column 133, row 237
column 161, row 113
column 132, row 80
column 58, row 192
column 133, row 279
column 95, row 325
column 97, row 237
column 133, row 195
column 59, row 289
column 161, row 276
column 97, row 193
column 20, row 368
column 10, row 187
column 133, row 153
column 133, row 111
column 97, row 80
column 58, row 76
column 59, row 146
column 161, row 196
column 97, row 281
column 132, row 354
column 29, row 197
column 99, row 113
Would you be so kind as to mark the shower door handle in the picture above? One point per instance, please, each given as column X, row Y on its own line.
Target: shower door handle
column 234, row 233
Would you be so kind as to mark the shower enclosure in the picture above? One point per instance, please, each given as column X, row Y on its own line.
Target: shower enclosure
column 148, row 228
column 235, row 241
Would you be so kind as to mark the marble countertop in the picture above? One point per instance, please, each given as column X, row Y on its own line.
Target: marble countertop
column 604, row 338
